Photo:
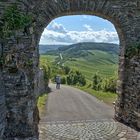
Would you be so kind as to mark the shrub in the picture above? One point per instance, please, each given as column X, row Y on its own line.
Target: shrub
column 97, row 80
column 13, row 19
column 109, row 84
column 105, row 84
column 47, row 72
column 63, row 80
column 66, row 69
column 76, row 78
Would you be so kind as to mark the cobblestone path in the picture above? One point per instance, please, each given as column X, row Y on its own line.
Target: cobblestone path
column 72, row 114
column 87, row 130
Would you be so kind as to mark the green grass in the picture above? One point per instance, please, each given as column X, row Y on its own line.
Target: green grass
column 100, row 62
column 97, row 61
column 106, row 97
column 47, row 58
column 89, row 69
column 42, row 102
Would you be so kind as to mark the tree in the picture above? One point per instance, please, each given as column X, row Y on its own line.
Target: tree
column 71, row 78
column 76, row 78
column 109, row 84
column 97, row 81
column 66, row 69
column 63, row 80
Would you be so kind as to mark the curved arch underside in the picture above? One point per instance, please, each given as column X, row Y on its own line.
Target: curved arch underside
column 19, row 91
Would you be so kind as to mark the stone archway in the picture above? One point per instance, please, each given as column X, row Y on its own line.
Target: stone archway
column 18, row 87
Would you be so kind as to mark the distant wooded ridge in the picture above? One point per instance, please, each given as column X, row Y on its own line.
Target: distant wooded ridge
column 51, row 49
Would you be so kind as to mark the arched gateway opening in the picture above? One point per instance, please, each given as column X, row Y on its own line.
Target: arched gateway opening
column 19, row 115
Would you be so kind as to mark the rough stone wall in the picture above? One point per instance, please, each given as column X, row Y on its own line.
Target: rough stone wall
column 125, row 15
column 20, row 82
column 2, row 90
column 2, row 107
column 22, row 58
column 42, row 86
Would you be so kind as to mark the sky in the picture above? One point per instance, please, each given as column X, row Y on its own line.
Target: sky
column 80, row 28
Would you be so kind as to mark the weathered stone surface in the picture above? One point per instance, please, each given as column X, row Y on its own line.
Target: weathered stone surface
column 86, row 130
column 20, row 71
column 2, row 106
column 42, row 85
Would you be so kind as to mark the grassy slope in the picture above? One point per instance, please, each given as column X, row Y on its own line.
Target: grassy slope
column 41, row 103
column 43, row 98
column 98, row 61
column 106, row 97
column 47, row 58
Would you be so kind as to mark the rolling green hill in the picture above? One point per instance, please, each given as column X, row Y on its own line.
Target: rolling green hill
column 89, row 58
column 44, row 48
column 75, row 48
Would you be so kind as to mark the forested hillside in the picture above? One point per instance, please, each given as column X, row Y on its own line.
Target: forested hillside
column 90, row 66
column 88, row 57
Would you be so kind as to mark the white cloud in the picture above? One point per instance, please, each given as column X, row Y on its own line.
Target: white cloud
column 57, row 34
column 57, row 27
column 88, row 27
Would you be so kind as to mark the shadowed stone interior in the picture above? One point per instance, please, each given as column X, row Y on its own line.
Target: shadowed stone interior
column 19, row 77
